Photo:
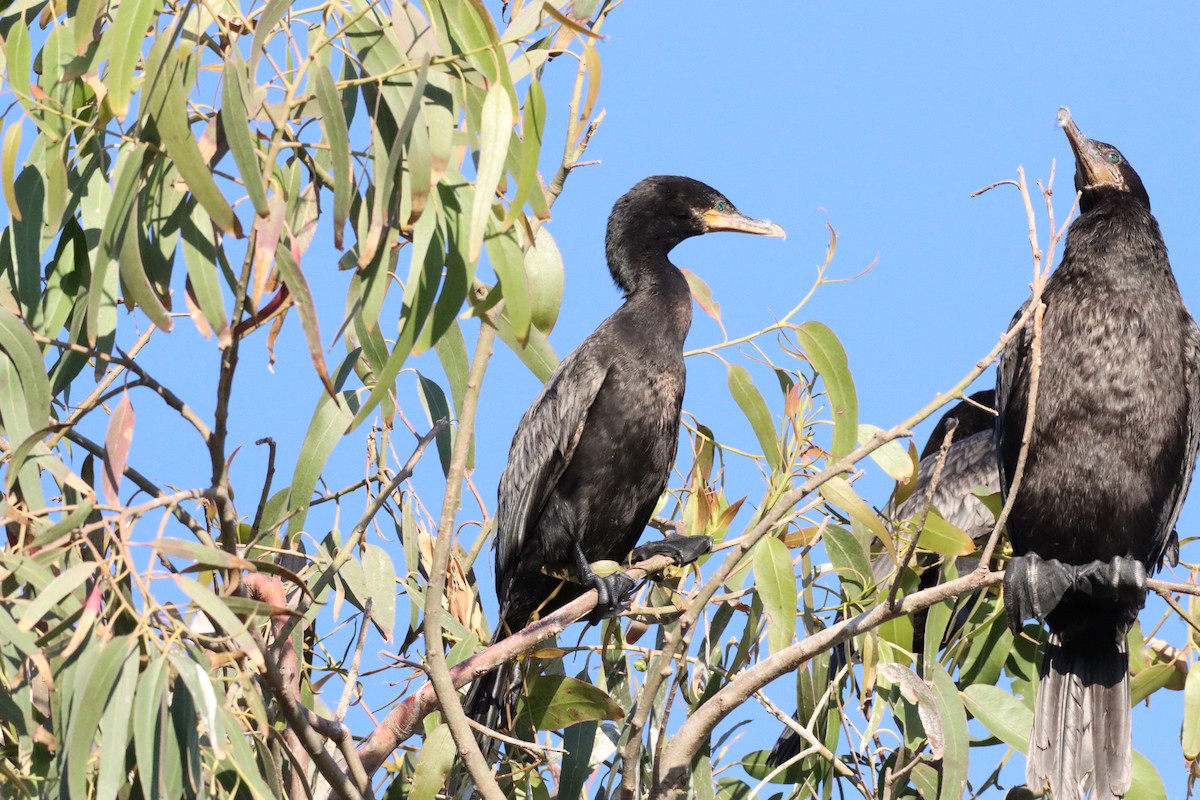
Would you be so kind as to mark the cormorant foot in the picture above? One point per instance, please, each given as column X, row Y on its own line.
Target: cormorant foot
column 680, row 548
column 1033, row 587
column 610, row 591
column 1122, row 579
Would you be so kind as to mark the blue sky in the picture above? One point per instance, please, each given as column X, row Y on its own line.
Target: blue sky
column 879, row 120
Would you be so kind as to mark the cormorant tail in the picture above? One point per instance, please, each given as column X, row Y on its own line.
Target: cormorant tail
column 1082, row 711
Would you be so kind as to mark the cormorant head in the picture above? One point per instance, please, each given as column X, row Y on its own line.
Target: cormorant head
column 1099, row 168
column 659, row 213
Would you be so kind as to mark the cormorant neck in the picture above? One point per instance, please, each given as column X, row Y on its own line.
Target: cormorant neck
column 640, row 266
column 1101, row 196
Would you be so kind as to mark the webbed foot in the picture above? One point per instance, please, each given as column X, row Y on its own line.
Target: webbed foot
column 610, row 593
column 1033, row 586
column 678, row 547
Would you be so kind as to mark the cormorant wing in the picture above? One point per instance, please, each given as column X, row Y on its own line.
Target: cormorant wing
column 1167, row 546
column 541, row 450
column 970, row 462
column 1010, row 369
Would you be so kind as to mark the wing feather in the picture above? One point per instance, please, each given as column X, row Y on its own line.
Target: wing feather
column 541, row 450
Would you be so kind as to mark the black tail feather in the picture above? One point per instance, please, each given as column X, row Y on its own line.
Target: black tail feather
column 1082, row 711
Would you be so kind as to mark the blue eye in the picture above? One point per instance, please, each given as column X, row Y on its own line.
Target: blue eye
column 1114, row 158
column 720, row 205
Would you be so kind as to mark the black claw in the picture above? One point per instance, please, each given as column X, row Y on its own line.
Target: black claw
column 610, row 593
column 679, row 548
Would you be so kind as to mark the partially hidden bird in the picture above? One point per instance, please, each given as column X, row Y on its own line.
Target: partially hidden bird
column 592, row 455
column 970, row 463
column 1110, row 457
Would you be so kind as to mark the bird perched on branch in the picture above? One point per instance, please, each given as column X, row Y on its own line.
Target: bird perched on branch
column 1110, row 457
column 591, row 456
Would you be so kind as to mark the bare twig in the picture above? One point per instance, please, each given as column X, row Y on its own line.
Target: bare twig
column 435, row 653
column 266, row 490
column 147, row 380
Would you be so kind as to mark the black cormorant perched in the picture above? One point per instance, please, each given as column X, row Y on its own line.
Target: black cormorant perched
column 591, row 456
column 970, row 462
column 1110, row 459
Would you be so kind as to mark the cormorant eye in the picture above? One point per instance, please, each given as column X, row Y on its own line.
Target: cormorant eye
column 720, row 205
column 1114, row 158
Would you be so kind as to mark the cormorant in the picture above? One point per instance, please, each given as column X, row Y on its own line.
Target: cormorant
column 591, row 456
column 970, row 462
column 1110, row 458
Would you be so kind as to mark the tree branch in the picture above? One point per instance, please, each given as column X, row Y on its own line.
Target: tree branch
column 675, row 767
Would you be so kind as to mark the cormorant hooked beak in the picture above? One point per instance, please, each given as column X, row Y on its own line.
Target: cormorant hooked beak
column 1098, row 163
column 729, row 220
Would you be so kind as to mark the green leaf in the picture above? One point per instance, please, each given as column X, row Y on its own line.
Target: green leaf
column 537, row 354
column 529, row 186
column 776, row 584
column 1191, row 714
column 204, row 276
column 193, row 551
column 545, row 276
column 752, row 404
column 158, row 770
column 495, row 130
column 1147, row 785
column 114, row 727
column 579, row 741
column 509, row 263
column 1005, row 717
column 702, row 294
column 955, row 757
column 333, row 125
column 88, row 707
column 433, row 399
column 849, row 558
column 127, row 35
column 945, row 538
column 556, row 701
column 433, row 764
column 59, row 588
column 425, row 269
column 171, row 116
column 235, row 122
column 828, row 358
column 1148, row 681
column 328, row 425
column 839, row 493
column 289, row 270
column 892, row 456
column 380, row 579
column 17, row 343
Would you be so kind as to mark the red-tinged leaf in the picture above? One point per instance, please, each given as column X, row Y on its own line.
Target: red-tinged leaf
column 266, row 242
column 194, row 310
column 702, row 295
column 303, row 300
column 116, row 449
